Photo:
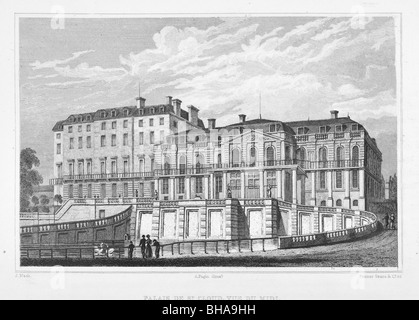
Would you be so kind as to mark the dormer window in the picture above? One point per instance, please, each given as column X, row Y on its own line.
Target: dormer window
column 322, row 129
column 272, row 128
column 141, row 112
column 300, row 131
column 103, row 115
column 339, row 128
column 126, row 113
column 88, row 118
column 79, row 119
column 355, row 127
column 162, row 109
column 113, row 114
column 153, row 111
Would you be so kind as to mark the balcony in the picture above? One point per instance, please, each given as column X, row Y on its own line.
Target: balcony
column 340, row 135
column 322, row 136
column 56, row 182
column 303, row 138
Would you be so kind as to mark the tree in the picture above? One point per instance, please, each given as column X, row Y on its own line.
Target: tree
column 35, row 201
column 28, row 176
column 58, row 198
column 44, row 203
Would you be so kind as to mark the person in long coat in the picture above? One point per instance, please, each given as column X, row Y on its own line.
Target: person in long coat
column 143, row 245
column 149, row 249
column 157, row 250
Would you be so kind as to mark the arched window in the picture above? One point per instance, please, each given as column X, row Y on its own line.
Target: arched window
column 323, row 203
column 270, row 156
column 182, row 165
column 355, row 156
column 338, row 203
column 219, row 160
column 235, row 158
column 199, row 163
column 253, row 156
column 301, row 157
column 323, row 157
column 339, row 157
column 355, row 203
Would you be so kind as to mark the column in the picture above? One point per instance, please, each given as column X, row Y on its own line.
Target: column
column 243, row 184
column 283, row 182
column 361, row 189
column 188, row 188
column 347, row 200
column 211, row 187
column 313, row 188
column 294, row 186
column 282, row 150
column 279, row 185
column 225, row 185
column 206, row 187
column 156, row 187
column 262, row 184
column 329, row 189
column 172, row 189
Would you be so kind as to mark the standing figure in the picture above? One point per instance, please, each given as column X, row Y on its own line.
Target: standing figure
column 136, row 194
column 131, row 248
column 229, row 193
column 387, row 220
column 149, row 249
column 156, row 194
column 143, row 245
column 157, row 251
column 269, row 191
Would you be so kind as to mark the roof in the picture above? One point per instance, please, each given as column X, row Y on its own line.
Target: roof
column 312, row 126
column 258, row 123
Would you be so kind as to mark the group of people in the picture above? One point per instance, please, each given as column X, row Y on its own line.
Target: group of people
column 146, row 246
column 390, row 221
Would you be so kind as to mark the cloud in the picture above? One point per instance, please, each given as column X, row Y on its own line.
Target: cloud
column 37, row 65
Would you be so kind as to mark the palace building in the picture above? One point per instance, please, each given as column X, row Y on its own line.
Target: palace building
column 166, row 155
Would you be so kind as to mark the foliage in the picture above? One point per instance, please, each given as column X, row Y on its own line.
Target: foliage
column 58, row 198
column 29, row 177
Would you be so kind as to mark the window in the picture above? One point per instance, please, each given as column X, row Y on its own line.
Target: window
column 339, row 128
column 323, row 203
column 141, row 123
column 272, row 128
column 89, row 191
column 141, row 138
column 220, row 160
column 88, row 118
column 354, row 127
column 126, row 189
column 102, row 213
column 165, row 189
column 151, row 122
column 113, row 140
column 355, row 156
column 162, row 121
column 125, row 139
column 126, row 113
column 80, row 128
column 88, row 128
column 322, row 129
column 58, row 135
column 70, row 129
column 300, row 130
column 322, row 180
column 59, row 171
column 103, row 167
column 71, row 143
column 141, row 164
column 339, row 184
column 71, row 191
column 114, row 190
column 162, row 136
column 113, row 114
column 125, row 124
column 199, row 185
column 340, row 157
column 114, row 125
column 253, row 157
column 271, row 178
column 114, row 169
column 152, row 161
column 152, row 137
column 338, row 203
column 355, row 203
column 89, row 142
column 181, row 186
column 218, row 184
column 235, row 157
column 355, row 181
column 59, row 148
column 103, row 125
column 89, row 167
column 80, row 143
column 102, row 192
column 270, row 156
column 235, row 181
column 80, row 169
column 253, row 180
column 126, row 166
column 80, row 191
column 71, row 169
column 182, row 165
column 287, row 153
column 323, row 157
column 175, row 124
column 103, row 141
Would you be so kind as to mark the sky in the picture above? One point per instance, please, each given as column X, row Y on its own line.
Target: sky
column 302, row 67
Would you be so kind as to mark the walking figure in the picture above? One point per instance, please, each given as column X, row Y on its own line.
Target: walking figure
column 157, row 251
column 149, row 249
column 131, row 248
column 387, row 221
column 143, row 245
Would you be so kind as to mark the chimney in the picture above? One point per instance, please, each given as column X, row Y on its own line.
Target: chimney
column 193, row 115
column 178, row 106
column 242, row 118
column 169, row 100
column 140, row 102
column 334, row 114
column 211, row 123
